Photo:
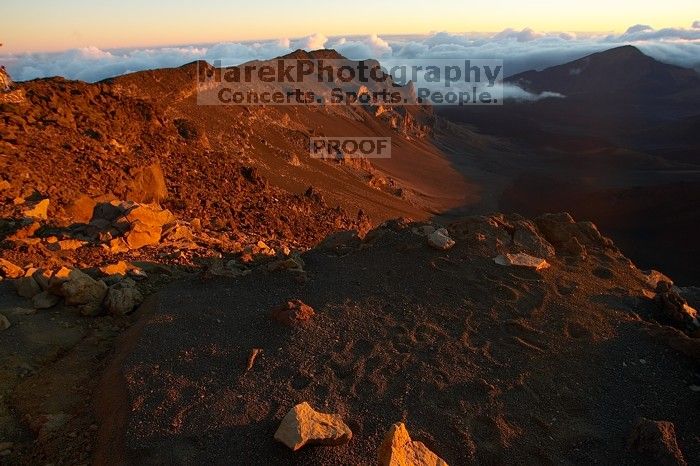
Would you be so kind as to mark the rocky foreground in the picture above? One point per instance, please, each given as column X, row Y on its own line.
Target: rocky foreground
column 492, row 341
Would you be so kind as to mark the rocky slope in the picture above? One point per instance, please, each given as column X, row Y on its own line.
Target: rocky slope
column 484, row 363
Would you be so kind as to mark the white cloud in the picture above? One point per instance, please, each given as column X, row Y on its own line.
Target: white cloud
column 312, row 42
column 520, row 50
column 511, row 91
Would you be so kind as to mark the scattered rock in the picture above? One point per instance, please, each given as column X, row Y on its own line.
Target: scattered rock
column 440, row 239
column 123, row 297
column 144, row 224
column 27, row 287
column 657, row 441
column 45, row 300
column 120, row 268
column 292, row 313
column 302, row 425
column 4, row 323
column 142, row 235
column 398, row 449
column 82, row 290
column 39, row 211
column 10, row 270
column 118, row 245
column 70, row 244
column 81, row 210
column 521, row 260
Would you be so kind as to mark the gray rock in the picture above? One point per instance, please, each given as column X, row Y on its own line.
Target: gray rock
column 441, row 240
column 84, row 291
column 123, row 297
column 45, row 300
column 27, row 287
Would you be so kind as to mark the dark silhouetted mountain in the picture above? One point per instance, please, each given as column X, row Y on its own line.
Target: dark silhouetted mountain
column 624, row 71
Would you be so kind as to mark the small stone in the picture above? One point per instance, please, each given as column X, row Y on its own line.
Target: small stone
column 10, row 270
column 522, row 260
column 440, row 239
column 70, row 244
column 398, row 449
column 657, row 441
column 6, row 446
column 45, row 300
column 4, row 323
column 303, row 425
column 292, row 313
column 123, row 297
column 39, row 211
column 27, row 287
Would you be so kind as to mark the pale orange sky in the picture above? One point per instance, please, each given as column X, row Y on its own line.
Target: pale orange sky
column 47, row 25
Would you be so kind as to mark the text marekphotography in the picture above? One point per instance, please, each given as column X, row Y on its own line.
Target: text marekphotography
column 348, row 82
column 350, row 147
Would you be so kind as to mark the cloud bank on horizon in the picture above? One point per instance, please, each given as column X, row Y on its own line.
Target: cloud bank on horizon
column 520, row 50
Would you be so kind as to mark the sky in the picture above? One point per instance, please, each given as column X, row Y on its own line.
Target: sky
column 51, row 25
column 94, row 40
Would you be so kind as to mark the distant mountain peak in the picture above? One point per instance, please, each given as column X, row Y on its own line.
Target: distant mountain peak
column 301, row 54
column 624, row 70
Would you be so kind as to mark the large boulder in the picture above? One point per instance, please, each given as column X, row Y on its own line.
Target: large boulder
column 303, row 425
column 143, row 224
column 398, row 449
column 84, row 291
